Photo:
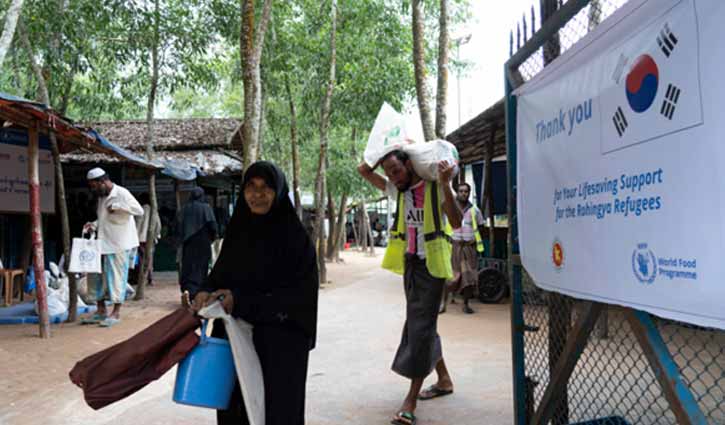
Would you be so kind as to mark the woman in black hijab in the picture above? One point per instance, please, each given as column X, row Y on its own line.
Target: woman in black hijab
column 197, row 228
column 267, row 275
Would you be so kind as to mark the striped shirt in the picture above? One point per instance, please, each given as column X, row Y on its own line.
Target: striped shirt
column 414, row 201
column 465, row 232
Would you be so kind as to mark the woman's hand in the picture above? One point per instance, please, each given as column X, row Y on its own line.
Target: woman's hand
column 200, row 301
column 226, row 297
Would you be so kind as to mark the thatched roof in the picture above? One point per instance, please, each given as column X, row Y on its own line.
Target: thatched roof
column 211, row 162
column 472, row 138
column 174, row 134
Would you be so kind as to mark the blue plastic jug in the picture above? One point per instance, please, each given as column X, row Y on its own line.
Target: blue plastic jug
column 206, row 377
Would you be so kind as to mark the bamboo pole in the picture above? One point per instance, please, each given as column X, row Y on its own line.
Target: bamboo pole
column 37, row 233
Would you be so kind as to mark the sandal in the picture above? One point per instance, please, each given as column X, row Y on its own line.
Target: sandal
column 109, row 322
column 93, row 320
column 432, row 392
column 404, row 418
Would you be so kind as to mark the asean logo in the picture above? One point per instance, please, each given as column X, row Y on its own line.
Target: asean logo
column 644, row 264
column 557, row 255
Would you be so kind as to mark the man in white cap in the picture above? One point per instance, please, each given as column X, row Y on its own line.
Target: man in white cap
column 118, row 238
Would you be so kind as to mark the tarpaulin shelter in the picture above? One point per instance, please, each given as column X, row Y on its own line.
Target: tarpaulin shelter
column 188, row 152
column 28, row 121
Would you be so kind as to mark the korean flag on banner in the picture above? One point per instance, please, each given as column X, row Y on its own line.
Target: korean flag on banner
column 654, row 83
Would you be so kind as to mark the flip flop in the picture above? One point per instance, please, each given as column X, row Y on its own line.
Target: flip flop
column 93, row 320
column 404, row 418
column 432, row 392
column 109, row 322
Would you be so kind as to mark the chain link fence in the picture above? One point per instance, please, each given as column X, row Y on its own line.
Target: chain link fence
column 612, row 383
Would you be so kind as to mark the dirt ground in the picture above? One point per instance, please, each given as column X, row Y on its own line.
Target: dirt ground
column 361, row 314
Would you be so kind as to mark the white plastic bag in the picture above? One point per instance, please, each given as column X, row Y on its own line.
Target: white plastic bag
column 246, row 361
column 58, row 299
column 85, row 256
column 388, row 134
column 426, row 156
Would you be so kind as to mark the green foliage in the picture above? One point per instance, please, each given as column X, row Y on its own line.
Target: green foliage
column 96, row 58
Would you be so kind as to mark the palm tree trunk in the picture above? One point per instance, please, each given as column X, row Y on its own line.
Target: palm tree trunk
column 421, row 88
column 442, row 93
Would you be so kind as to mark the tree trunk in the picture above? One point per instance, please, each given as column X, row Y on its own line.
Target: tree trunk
column 421, row 88
column 320, row 181
column 355, row 231
column 332, row 236
column 153, row 201
column 342, row 239
column 260, row 132
column 295, row 149
column 442, row 95
column 37, row 233
column 11, row 20
column 180, row 243
column 321, row 266
column 369, row 230
column 363, row 232
column 340, row 233
column 59, row 179
column 251, row 53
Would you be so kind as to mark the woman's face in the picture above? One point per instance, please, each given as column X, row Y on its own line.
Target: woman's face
column 258, row 195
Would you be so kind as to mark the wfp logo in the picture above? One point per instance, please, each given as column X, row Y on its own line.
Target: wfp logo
column 644, row 264
column 87, row 257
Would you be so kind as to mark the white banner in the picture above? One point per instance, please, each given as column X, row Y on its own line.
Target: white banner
column 620, row 154
column 14, row 174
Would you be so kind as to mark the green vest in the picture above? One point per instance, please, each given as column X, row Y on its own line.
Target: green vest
column 437, row 237
column 479, row 241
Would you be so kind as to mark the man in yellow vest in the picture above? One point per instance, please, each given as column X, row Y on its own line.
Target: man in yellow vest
column 419, row 249
column 467, row 245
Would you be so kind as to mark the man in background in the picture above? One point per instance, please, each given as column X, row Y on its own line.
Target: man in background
column 116, row 230
column 467, row 245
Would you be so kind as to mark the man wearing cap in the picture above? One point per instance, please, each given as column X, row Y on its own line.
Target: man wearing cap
column 116, row 229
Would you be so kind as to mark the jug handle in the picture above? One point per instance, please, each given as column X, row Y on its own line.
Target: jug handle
column 204, row 322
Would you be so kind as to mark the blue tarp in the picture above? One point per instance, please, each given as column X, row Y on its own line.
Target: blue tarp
column 127, row 155
column 10, row 97
column 24, row 313
column 180, row 170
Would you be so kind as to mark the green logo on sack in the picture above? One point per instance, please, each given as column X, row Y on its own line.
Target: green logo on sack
column 392, row 134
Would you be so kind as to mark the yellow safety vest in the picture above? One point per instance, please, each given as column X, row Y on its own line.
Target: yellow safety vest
column 479, row 241
column 437, row 237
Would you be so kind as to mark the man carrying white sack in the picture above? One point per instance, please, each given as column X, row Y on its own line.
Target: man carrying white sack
column 116, row 229
column 420, row 250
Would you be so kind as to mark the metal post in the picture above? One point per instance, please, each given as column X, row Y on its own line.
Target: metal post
column 677, row 393
column 37, row 233
column 517, row 306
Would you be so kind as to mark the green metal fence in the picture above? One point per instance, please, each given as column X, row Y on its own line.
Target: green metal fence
column 578, row 362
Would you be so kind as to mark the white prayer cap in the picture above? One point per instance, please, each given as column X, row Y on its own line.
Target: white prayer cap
column 95, row 173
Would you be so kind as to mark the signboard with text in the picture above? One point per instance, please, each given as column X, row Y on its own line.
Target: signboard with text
column 620, row 155
column 14, row 173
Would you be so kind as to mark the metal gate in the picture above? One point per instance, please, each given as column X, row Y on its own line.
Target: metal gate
column 580, row 362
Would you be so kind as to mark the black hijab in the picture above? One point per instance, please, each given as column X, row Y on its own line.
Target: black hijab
column 268, row 261
column 195, row 215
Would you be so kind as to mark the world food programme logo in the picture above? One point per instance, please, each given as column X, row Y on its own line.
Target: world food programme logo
column 557, row 254
column 87, row 256
column 644, row 264
column 392, row 135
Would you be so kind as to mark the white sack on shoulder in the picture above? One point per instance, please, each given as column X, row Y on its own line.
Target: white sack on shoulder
column 425, row 157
